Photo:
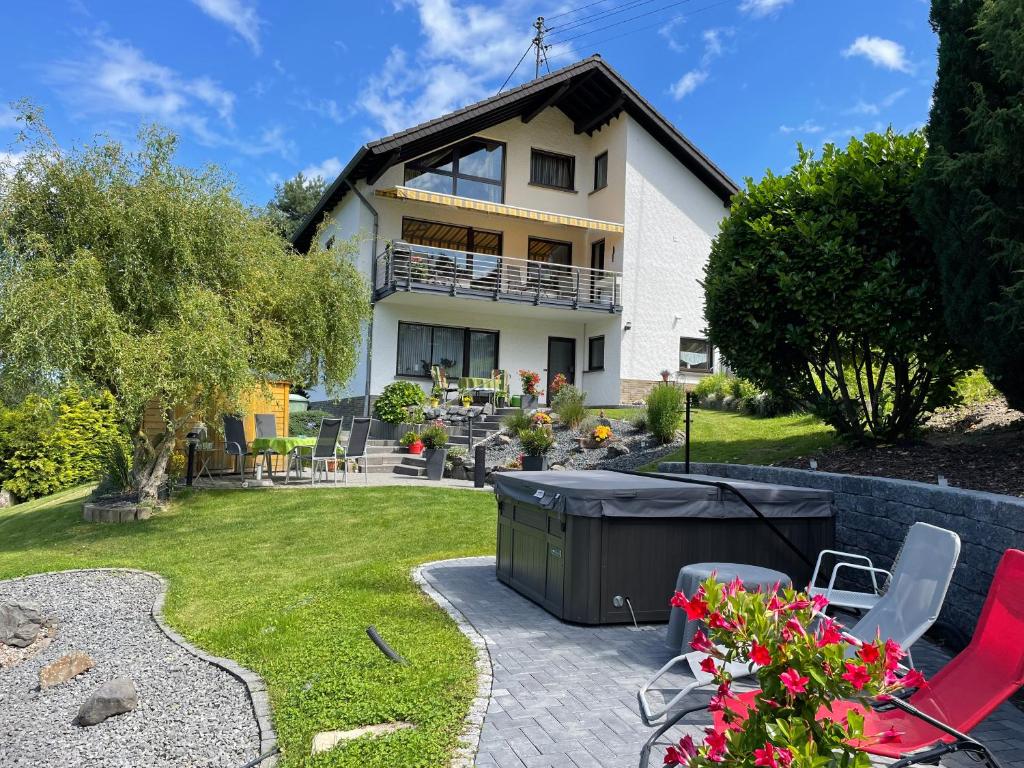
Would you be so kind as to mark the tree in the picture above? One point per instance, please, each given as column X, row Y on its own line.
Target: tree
column 971, row 193
column 822, row 289
column 293, row 200
column 152, row 281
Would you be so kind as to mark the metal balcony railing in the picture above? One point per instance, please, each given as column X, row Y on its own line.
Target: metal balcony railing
column 408, row 267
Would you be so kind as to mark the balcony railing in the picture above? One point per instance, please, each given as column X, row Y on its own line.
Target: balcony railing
column 408, row 267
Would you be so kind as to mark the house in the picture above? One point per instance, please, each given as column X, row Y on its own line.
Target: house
column 561, row 227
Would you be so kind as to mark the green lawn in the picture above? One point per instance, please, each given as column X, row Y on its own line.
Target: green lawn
column 286, row 582
column 726, row 436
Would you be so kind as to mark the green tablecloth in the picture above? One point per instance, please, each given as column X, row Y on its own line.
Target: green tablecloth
column 280, row 444
column 478, row 382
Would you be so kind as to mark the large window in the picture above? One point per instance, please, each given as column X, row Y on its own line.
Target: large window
column 601, row 171
column 451, row 236
column 549, row 251
column 694, row 355
column 460, row 351
column 549, row 169
column 474, row 168
column 595, row 353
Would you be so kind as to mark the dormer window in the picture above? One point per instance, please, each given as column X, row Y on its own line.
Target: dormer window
column 474, row 168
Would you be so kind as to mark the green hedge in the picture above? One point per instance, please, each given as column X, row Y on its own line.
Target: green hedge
column 49, row 444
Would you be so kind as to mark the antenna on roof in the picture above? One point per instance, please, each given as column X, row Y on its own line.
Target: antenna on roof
column 538, row 44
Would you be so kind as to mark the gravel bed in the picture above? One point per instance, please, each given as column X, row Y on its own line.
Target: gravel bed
column 566, row 451
column 190, row 713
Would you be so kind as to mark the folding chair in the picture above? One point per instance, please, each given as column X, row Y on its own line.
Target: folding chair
column 266, row 426
column 235, row 442
column 356, row 449
column 936, row 719
column 904, row 613
column 322, row 453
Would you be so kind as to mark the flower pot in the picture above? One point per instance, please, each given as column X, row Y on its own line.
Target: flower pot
column 515, row 401
column 467, row 401
column 435, row 402
column 535, row 463
column 528, row 402
column 416, row 448
column 435, row 462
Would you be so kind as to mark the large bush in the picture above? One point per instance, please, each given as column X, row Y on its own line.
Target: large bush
column 394, row 402
column 571, row 405
column 49, row 444
column 666, row 403
column 306, row 423
column 822, row 289
column 971, row 193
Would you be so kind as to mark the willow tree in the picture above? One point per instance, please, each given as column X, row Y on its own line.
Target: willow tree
column 125, row 271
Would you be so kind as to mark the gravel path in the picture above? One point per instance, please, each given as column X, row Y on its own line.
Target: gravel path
column 190, row 713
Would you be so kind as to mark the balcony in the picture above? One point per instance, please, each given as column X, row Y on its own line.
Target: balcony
column 423, row 269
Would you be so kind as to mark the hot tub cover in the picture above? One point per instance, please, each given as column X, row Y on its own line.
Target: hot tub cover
column 601, row 493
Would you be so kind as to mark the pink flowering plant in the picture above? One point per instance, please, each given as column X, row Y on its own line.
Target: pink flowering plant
column 805, row 662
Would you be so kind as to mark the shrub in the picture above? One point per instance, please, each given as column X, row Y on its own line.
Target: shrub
column 516, row 422
column 434, row 437
column 822, row 289
column 394, row 402
column 117, row 469
column 557, row 383
column 571, row 406
column 409, row 438
column 48, row 444
column 973, row 387
column 665, row 405
column 536, row 441
column 306, row 423
column 715, row 384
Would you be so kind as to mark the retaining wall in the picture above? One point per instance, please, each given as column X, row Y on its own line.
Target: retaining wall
column 873, row 515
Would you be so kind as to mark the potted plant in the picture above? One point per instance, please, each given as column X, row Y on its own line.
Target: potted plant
column 536, row 441
column 665, row 374
column 412, row 443
column 467, row 400
column 435, row 396
column 557, row 383
column 531, row 394
column 435, row 445
column 804, row 664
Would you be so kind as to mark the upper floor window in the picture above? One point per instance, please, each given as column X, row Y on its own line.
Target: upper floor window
column 549, row 169
column 474, row 168
column 601, row 171
column 694, row 355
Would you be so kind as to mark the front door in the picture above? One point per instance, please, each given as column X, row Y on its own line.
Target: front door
column 561, row 359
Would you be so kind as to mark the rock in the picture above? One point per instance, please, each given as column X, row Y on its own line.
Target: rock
column 65, row 668
column 616, row 449
column 503, row 439
column 20, row 623
column 327, row 740
column 113, row 698
column 604, row 422
column 6, row 499
column 557, row 467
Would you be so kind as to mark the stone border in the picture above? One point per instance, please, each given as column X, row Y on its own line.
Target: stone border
column 255, row 687
column 465, row 755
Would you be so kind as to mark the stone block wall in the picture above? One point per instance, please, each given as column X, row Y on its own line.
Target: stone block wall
column 873, row 515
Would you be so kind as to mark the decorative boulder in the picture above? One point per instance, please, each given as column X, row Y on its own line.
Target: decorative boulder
column 617, row 449
column 65, row 668
column 113, row 698
column 20, row 623
column 6, row 499
column 503, row 439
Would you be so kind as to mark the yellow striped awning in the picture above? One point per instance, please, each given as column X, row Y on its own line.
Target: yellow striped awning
column 438, row 198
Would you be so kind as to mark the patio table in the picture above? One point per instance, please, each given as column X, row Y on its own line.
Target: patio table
column 483, row 385
column 279, row 445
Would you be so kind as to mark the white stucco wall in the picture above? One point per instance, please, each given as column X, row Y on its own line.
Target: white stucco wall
column 671, row 218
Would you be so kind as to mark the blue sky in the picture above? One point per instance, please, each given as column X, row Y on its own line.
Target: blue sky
column 266, row 89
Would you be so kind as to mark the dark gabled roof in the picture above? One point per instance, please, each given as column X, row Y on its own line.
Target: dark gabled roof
column 589, row 92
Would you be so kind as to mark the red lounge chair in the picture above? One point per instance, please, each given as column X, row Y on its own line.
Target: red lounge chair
column 967, row 690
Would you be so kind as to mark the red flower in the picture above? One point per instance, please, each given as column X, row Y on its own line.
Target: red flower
column 819, row 603
column 799, row 605
column 733, row 587
column 795, row 627
column 708, row 665
column 828, row 633
column 793, row 682
column 913, row 679
column 696, row 607
column 716, row 744
column 891, row 736
column 681, row 754
column 869, row 653
column 760, row 655
column 772, row 757
column 857, row 675
column 775, row 604
column 717, row 621
column 893, row 654
column 701, row 643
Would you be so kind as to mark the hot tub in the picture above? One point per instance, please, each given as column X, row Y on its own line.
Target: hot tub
column 578, row 543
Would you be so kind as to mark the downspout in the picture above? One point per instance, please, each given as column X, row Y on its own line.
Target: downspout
column 373, row 285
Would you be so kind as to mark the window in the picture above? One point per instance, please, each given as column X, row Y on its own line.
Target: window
column 460, row 351
column 549, row 251
column 595, row 353
column 552, row 170
column 451, row 236
column 474, row 168
column 694, row 355
column 601, row 171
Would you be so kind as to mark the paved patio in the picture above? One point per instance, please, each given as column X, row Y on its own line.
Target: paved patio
column 355, row 480
column 565, row 695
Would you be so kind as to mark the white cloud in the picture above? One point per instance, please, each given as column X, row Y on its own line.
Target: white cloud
column 327, row 170
column 876, row 107
column 880, row 52
column 8, row 117
column 668, row 32
column 713, row 48
column 118, row 78
column 9, row 162
column 807, row 126
column 761, row 8
column 238, row 15
column 326, row 108
column 466, row 53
